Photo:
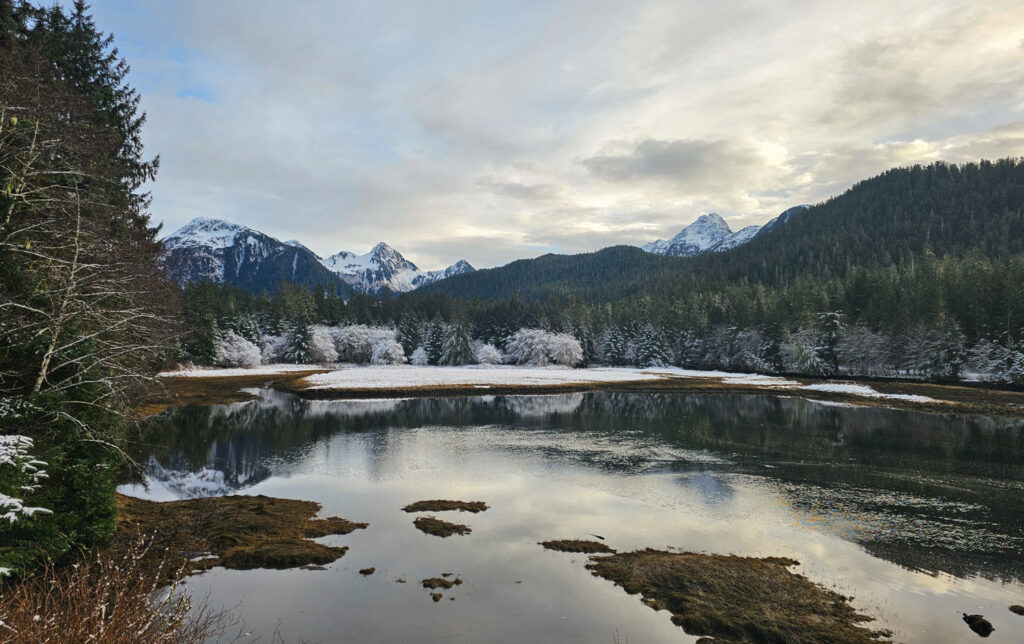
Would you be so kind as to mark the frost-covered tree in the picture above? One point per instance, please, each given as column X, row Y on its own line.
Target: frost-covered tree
column 299, row 344
column 830, row 334
column 272, row 348
column 408, row 334
column 321, row 343
column 458, row 348
column 537, row 347
column 356, row 343
column 935, row 352
column 387, row 351
column 649, row 348
column 232, row 350
column 612, row 349
column 420, row 357
column 864, row 352
column 800, row 355
column 487, row 353
column 434, row 336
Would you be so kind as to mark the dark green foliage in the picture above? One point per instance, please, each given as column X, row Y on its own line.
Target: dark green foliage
column 830, row 333
column 78, row 259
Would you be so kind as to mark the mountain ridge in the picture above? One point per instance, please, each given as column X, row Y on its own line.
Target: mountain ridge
column 220, row 251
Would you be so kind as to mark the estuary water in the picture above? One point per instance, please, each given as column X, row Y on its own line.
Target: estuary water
column 918, row 517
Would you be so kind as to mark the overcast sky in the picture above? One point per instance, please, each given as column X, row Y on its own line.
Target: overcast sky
column 492, row 131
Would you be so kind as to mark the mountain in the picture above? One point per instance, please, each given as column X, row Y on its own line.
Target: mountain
column 698, row 238
column 385, row 269
column 711, row 234
column 897, row 219
column 225, row 253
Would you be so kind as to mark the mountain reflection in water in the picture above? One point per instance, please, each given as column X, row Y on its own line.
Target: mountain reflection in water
column 926, row 491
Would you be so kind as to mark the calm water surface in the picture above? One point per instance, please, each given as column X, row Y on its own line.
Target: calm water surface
column 919, row 517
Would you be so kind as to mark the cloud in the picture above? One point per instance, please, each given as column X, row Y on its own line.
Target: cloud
column 509, row 129
column 688, row 164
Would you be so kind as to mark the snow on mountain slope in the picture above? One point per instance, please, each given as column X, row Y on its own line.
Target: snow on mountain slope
column 222, row 252
column 696, row 239
column 385, row 268
column 711, row 234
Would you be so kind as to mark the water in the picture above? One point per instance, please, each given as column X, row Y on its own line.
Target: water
column 919, row 517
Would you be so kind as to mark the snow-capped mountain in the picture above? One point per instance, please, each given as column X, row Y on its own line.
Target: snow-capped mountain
column 219, row 251
column 711, row 234
column 385, row 268
column 698, row 238
column 222, row 252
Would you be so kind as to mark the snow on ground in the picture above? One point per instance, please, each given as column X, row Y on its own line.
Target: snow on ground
column 355, row 377
column 479, row 376
column 861, row 390
column 213, row 372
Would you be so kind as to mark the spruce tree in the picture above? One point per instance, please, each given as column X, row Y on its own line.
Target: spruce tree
column 830, row 334
column 458, row 348
column 434, row 340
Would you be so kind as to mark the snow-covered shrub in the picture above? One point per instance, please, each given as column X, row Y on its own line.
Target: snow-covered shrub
column 272, row 348
column 537, row 347
column 232, row 350
column 487, row 353
column 934, row 352
column 355, row 343
column 387, row 352
column 863, row 352
column 800, row 356
column 420, row 357
column 322, row 347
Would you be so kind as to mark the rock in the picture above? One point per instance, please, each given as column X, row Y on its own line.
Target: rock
column 979, row 624
column 367, row 571
column 1017, row 609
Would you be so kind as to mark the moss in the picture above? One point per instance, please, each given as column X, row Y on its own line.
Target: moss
column 439, row 528
column 576, row 545
column 736, row 599
column 239, row 532
column 439, row 505
column 434, row 583
column 979, row 624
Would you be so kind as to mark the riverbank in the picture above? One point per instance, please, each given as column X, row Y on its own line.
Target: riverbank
column 217, row 386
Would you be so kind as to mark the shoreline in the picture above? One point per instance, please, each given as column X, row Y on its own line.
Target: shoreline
column 209, row 388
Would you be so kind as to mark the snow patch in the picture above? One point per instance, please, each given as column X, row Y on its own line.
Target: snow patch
column 206, row 372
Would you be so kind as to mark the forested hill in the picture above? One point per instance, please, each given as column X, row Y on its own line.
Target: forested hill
column 886, row 221
column 606, row 274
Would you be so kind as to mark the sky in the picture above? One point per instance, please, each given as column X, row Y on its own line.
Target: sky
column 494, row 131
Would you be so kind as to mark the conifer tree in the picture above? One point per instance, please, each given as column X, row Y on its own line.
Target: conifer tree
column 458, row 347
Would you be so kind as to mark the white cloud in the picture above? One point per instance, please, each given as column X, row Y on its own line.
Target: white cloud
column 498, row 130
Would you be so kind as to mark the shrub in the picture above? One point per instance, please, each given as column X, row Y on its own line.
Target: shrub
column 114, row 600
column 537, row 347
column 232, row 350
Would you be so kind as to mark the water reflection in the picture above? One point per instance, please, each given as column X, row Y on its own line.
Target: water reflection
column 929, row 492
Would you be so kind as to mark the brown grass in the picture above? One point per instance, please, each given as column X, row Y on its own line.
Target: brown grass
column 213, row 390
column 110, row 599
column 736, row 599
column 438, row 505
column 576, row 545
column 240, row 532
column 439, row 528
